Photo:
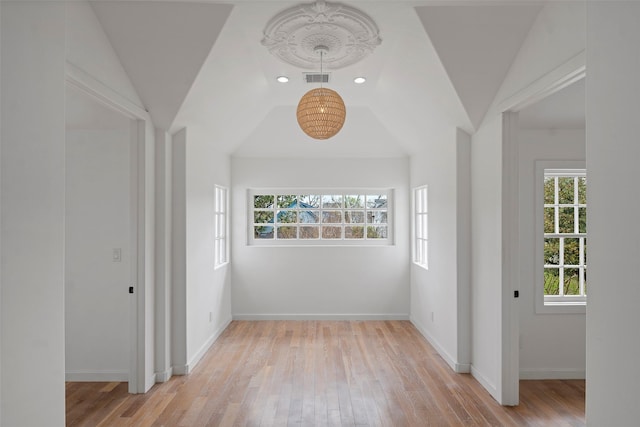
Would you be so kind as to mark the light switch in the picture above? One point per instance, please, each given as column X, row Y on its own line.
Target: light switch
column 116, row 255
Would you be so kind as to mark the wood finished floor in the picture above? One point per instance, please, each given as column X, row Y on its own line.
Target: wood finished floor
column 322, row 373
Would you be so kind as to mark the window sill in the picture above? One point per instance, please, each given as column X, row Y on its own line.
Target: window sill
column 561, row 307
column 219, row 266
column 423, row 266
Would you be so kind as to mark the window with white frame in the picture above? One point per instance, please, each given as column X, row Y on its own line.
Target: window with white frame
column 221, row 227
column 320, row 217
column 420, row 226
column 565, row 236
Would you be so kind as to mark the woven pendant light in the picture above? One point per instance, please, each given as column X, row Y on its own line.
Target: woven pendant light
column 321, row 111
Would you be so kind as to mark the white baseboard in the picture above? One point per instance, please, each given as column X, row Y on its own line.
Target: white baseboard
column 461, row 368
column 201, row 352
column 553, row 374
column 484, row 381
column 97, row 376
column 180, row 369
column 163, row 377
column 320, row 316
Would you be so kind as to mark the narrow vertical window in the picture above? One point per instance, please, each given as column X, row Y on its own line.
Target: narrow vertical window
column 565, row 236
column 220, row 227
column 420, row 226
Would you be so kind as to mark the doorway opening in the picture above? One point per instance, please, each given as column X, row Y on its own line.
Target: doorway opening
column 100, row 242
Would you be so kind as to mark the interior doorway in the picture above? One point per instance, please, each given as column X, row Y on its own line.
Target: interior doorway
column 100, row 235
column 519, row 269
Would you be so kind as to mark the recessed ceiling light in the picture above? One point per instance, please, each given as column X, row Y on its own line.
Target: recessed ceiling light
column 359, row 80
column 282, row 79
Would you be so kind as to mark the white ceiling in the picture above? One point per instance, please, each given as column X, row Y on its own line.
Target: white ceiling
column 201, row 65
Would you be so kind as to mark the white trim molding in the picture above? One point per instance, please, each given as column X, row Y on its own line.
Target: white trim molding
column 321, row 316
column 97, row 376
column 553, row 374
column 460, row 368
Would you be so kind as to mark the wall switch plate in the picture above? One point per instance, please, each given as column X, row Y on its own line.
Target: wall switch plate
column 116, row 255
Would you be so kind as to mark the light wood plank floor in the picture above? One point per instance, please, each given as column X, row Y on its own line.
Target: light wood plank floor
column 322, row 373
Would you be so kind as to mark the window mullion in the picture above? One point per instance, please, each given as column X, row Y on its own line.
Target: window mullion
column 561, row 268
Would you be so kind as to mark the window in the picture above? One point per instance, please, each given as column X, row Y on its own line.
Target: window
column 420, row 226
column 303, row 217
column 220, row 228
column 565, row 236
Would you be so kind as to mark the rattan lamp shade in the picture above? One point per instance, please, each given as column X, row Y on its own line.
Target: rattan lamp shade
column 321, row 113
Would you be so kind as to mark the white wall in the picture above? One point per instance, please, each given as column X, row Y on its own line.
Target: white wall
column 435, row 292
column 92, row 60
column 551, row 345
column 96, row 288
column 556, row 37
column 613, row 152
column 89, row 49
column 486, row 226
column 202, row 294
column 320, row 282
column 32, row 213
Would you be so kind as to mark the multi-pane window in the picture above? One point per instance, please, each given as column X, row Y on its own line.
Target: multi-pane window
column 320, row 217
column 420, row 226
column 565, row 236
column 220, row 227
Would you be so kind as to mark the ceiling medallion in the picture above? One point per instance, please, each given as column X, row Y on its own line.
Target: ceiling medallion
column 348, row 34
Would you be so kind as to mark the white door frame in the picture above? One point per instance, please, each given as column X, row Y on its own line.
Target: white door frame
column 139, row 118
column 570, row 72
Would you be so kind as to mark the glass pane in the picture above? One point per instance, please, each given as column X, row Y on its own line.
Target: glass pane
column 262, row 201
column 418, row 225
column 565, row 190
column 376, row 201
column 585, row 280
column 263, row 232
column 425, row 253
column 309, row 217
column 549, row 191
column 309, row 232
column 287, row 201
column 571, row 251
column 377, row 217
column 423, row 197
column 334, row 201
column 331, row 232
column 354, row 201
column 582, row 220
column 309, row 201
column 418, row 257
column 584, row 251
column 571, row 281
column 354, row 232
column 549, row 220
column 331, row 217
column 552, row 251
column 287, row 232
column 221, row 231
column 425, row 228
column 582, row 190
column 261, row 217
column 287, row 217
column 551, row 281
column 376, row 232
column 354, row 217
column 565, row 220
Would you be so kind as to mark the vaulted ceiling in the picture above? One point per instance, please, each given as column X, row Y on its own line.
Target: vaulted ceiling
column 202, row 65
